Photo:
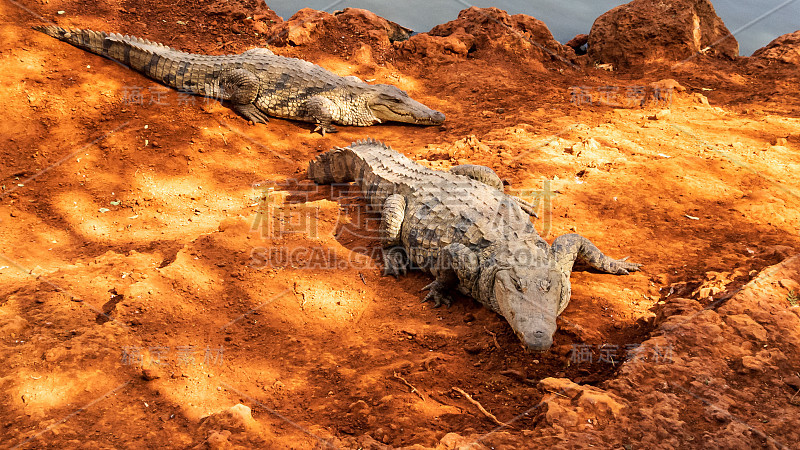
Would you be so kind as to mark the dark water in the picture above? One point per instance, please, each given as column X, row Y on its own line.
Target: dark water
column 753, row 23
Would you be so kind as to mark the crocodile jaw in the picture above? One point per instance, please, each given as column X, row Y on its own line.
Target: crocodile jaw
column 529, row 299
column 391, row 104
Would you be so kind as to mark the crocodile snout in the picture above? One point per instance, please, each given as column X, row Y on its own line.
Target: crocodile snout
column 538, row 341
column 534, row 338
column 431, row 117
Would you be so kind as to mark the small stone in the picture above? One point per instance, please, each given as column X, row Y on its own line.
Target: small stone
column 473, row 349
column 660, row 115
column 747, row 327
column 359, row 407
column 793, row 382
column 515, row 374
column 149, row 374
column 218, row 440
column 752, row 363
column 700, row 98
column 790, row 285
column 780, row 142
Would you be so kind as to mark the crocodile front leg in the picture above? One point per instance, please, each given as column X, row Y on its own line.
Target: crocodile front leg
column 241, row 88
column 566, row 249
column 489, row 177
column 570, row 247
column 454, row 263
column 321, row 111
column 395, row 260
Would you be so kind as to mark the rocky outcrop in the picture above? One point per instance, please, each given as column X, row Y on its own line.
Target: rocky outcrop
column 310, row 26
column 578, row 43
column 478, row 31
column 785, row 48
column 686, row 383
column 644, row 32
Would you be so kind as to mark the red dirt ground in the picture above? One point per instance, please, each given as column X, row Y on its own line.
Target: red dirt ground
column 147, row 209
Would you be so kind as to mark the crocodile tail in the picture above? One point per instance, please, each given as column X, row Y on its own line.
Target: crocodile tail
column 154, row 60
column 334, row 166
column 92, row 41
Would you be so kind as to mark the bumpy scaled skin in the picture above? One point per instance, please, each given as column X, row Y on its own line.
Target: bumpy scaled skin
column 471, row 236
column 258, row 83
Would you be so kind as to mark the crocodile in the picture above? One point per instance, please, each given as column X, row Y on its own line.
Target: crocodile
column 470, row 235
column 257, row 83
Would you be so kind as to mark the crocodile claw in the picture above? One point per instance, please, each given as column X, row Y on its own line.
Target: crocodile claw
column 325, row 128
column 394, row 262
column 436, row 296
column 251, row 113
column 624, row 267
column 527, row 207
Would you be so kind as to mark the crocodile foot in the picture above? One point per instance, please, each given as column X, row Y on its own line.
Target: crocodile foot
column 250, row 112
column 395, row 262
column 325, row 128
column 437, row 295
column 623, row 267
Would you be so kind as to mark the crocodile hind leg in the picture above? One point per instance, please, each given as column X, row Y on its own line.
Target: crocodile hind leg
column 455, row 263
column 321, row 111
column 482, row 174
column 568, row 248
column 395, row 260
column 241, row 88
column 489, row 177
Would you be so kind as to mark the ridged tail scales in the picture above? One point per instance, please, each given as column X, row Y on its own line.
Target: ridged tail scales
column 334, row 166
column 340, row 165
column 179, row 70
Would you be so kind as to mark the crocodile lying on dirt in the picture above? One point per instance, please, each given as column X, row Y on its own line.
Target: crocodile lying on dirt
column 469, row 234
column 258, row 83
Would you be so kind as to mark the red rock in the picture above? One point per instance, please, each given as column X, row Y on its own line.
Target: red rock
column 438, row 49
column 747, row 327
column 752, row 363
column 785, row 48
column 368, row 20
column 236, row 418
column 571, row 405
column 577, row 42
column 677, row 306
column 482, row 30
column 219, row 440
column 789, row 285
column 301, row 28
column 309, row 26
column 643, row 32
column 667, row 84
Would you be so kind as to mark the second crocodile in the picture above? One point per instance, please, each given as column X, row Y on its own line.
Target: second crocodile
column 470, row 235
column 258, row 83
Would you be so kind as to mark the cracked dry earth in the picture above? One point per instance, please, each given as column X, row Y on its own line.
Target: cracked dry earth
column 151, row 297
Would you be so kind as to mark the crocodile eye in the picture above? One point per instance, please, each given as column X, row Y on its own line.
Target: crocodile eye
column 517, row 285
